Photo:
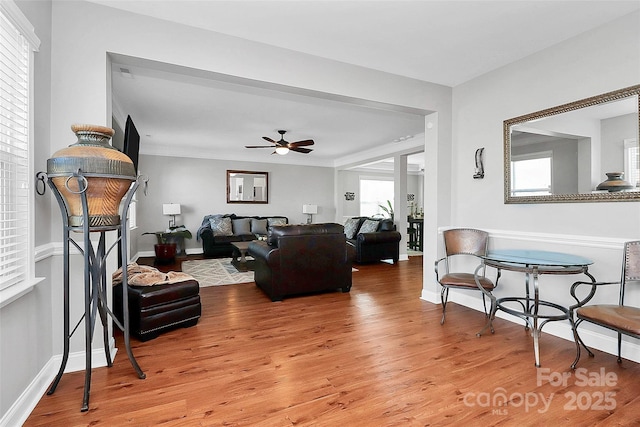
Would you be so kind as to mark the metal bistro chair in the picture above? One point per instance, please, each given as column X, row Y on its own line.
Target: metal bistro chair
column 621, row 318
column 466, row 242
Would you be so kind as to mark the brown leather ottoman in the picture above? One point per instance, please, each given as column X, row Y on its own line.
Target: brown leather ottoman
column 159, row 308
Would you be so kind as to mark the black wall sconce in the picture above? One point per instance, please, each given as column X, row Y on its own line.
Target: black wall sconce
column 349, row 196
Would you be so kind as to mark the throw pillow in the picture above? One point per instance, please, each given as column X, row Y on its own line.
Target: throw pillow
column 213, row 219
column 241, row 226
column 258, row 226
column 351, row 227
column 276, row 221
column 369, row 226
column 221, row 226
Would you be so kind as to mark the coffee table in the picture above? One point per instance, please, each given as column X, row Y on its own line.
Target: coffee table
column 242, row 264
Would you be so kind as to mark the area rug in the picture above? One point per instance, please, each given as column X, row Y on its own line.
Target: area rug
column 215, row 272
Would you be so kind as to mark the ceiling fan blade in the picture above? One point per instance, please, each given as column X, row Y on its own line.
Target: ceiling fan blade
column 258, row 146
column 268, row 139
column 304, row 143
column 301, row 150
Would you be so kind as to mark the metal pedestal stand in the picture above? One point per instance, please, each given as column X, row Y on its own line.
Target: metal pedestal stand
column 95, row 283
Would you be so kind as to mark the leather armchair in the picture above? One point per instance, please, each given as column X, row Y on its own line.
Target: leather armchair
column 299, row 259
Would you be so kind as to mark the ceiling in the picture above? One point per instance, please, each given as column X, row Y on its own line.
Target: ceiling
column 444, row 42
column 175, row 112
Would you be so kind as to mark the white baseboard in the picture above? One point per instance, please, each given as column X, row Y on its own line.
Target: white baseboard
column 594, row 339
column 22, row 407
column 432, row 297
column 607, row 255
column 27, row 401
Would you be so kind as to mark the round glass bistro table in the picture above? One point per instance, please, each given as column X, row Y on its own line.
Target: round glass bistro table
column 534, row 263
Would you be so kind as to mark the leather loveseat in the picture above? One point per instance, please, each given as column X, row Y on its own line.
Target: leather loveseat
column 217, row 232
column 374, row 239
column 299, row 259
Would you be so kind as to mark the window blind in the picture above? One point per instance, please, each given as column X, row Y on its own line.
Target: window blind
column 15, row 51
column 632, row 162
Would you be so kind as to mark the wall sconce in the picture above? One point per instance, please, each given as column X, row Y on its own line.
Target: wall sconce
column 172, row 209
column 479, row 172
column 349, row 196
column 310, row 210
column 411, row 197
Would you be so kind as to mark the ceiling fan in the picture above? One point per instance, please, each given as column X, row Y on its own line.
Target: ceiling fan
column 283, row 147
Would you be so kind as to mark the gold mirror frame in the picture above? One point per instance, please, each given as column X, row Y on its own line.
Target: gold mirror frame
column 260, row 193
column 622, row 196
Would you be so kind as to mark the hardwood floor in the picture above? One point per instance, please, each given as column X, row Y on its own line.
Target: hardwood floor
column 376, row 356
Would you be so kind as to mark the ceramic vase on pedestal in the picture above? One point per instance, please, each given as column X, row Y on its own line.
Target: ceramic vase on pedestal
column 107, row 171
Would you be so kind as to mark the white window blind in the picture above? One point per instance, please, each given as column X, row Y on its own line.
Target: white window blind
column 16, row 45
column 632, row 162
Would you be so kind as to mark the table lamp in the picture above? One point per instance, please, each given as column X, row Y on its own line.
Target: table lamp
column 310, row 210
column 172, row 209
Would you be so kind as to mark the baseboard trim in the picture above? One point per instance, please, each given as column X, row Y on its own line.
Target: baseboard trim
column 27, row 401
column 594, row 339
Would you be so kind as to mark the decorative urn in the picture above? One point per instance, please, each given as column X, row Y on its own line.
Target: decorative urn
column 105, row 176
column 614, row 182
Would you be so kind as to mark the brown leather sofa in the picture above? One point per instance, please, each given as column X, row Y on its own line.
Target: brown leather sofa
column 300, row 259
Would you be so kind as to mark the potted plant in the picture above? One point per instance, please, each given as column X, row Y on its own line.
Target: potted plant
column 168, row 241
column 388, row 210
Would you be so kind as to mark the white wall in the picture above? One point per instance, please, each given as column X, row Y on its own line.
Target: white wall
column 614, row 132
column 199, row 186
column 600, row 61
column 596, row 62
column 349, row 181
column 26, row 331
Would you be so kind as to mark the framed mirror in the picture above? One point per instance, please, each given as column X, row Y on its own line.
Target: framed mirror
column 247, row 187
column 584, row 151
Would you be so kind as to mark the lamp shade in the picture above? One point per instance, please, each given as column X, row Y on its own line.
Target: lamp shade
column 310, row 209
column 282, row 150
column 171, row 209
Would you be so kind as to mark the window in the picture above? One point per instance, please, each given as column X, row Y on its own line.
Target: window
column 17, row 43
column 531, row 175
column 133, row 213
column 632, row 162
column 375, row 192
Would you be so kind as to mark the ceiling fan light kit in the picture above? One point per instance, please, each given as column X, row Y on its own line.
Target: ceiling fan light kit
column 282, row 147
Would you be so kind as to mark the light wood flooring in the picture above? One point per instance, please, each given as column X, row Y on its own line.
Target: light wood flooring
column 376, row 356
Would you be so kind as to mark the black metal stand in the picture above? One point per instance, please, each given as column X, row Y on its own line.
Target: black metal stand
column 95, row 283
